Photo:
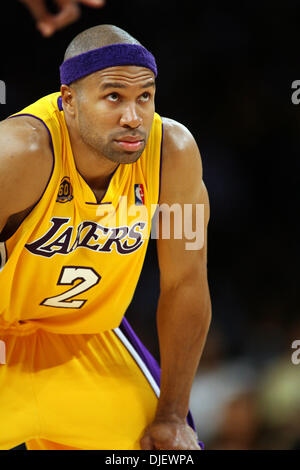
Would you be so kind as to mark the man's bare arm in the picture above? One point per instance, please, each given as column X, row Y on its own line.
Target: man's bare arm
column 25, row 164
column 184, row 308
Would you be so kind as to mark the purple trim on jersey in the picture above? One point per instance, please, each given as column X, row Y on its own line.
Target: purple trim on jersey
column 53, row 163
column 59, row 103
column 149, row 360
column 101, row 58
column 98, row 203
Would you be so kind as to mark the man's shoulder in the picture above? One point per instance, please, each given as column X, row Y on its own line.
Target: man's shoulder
column 181, row 159
column 25, row 163
column 23, row 140
column 23, row 130
column 176, row 135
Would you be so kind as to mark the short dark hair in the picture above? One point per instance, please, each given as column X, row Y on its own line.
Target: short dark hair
column 98, row 36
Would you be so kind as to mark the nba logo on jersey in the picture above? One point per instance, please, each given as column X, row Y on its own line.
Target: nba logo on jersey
column 139, row 194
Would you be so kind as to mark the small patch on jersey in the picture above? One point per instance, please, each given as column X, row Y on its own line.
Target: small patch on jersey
column 65, row 192
column 139, row 194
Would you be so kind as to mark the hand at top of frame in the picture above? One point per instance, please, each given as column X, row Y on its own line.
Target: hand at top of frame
column 69, row 12
column 164, row 434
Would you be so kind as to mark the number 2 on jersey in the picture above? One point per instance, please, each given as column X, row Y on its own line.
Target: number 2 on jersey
column 68, row 275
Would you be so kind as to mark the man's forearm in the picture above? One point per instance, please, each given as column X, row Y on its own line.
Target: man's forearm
column 183, row 319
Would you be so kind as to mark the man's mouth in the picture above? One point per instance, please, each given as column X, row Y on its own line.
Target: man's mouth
column 129, row 143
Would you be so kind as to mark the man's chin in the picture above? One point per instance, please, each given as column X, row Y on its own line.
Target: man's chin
column 125, row 156
column 130, row 157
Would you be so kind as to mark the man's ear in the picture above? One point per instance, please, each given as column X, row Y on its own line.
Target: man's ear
column 68, row 95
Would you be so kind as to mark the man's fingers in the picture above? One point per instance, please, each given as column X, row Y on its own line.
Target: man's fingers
column 169, row 436
column 68, row 13
column 93, row 3
column 37, row 8
column 146, row 443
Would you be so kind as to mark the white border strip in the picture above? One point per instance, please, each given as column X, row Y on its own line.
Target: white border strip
column 139, row 361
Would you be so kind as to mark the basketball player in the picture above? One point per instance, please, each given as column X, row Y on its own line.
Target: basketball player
column 76, row 376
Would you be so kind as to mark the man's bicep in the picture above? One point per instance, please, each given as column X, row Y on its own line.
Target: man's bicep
column 25, row 165
column 183, row 211
column 182, row 242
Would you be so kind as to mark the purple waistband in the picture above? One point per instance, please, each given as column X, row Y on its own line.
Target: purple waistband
column 108, row 56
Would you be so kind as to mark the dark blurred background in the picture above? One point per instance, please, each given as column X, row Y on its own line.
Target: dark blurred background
column 225, row 71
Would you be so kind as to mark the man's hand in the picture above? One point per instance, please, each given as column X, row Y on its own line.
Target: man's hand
column 165, row 434
column 69, row 12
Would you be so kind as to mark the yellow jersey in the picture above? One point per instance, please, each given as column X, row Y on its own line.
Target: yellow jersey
column 73, row 264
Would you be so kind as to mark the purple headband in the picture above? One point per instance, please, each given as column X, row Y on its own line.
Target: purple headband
column 108, row 56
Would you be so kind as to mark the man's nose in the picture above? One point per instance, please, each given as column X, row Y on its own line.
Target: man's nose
column 130, row 117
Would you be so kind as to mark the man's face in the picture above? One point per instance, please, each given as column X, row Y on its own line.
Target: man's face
column 115, row 110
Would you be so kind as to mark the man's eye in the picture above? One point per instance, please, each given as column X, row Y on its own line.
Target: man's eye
column 145, row 97
column 113, row 97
